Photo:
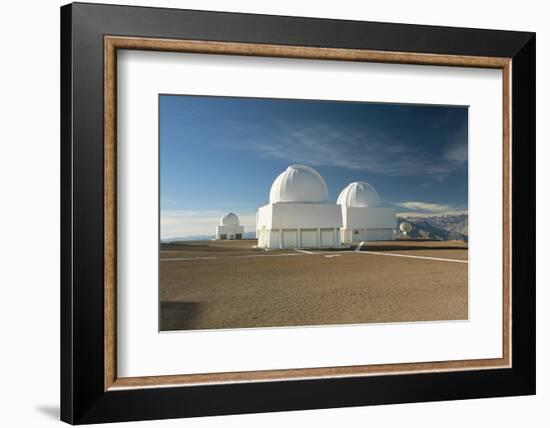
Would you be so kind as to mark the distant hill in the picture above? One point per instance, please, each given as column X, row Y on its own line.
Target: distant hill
column 441, row 228
column 247, row 235
column 190, row 238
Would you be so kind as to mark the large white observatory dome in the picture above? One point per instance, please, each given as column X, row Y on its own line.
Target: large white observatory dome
column 229, row 219
column 359, row 194
column 299, row 183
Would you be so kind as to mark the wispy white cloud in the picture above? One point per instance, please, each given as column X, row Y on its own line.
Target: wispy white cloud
column 419, row 214
column 180, row 223
column 425, row 206
column 358, row 148
column 457, row 152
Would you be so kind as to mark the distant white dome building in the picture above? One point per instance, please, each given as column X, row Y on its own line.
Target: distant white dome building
column 363, row 217
column 298, row 214
column 229, row 227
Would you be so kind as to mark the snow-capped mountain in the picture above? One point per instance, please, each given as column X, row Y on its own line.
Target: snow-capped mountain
column 439, row 227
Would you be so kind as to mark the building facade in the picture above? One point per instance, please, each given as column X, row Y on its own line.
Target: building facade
column 298, row 214
column 229, row 227
column 362, row 216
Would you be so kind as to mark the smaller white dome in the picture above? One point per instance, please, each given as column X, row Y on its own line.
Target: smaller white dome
column 229, row 219
column 359, row 194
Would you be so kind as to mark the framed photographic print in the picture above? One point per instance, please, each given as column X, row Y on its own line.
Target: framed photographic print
column 265, row 213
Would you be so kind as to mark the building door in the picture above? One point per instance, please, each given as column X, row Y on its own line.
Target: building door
column 386, row 234
column 327, row 238
column 372, row 235
column 359, row 235
column 290, row 238
column 309, row 238
column 238, row 236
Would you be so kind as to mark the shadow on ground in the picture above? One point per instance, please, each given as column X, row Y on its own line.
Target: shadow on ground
column 51, row 411
column 179, row 315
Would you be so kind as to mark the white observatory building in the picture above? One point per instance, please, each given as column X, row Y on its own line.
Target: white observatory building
column 229, row 227
column 298, row 214
column 363, row 217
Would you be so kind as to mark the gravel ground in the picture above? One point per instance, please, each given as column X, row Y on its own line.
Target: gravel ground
column 212, row 284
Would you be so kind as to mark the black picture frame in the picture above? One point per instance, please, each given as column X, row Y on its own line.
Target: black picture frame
column 83, row 398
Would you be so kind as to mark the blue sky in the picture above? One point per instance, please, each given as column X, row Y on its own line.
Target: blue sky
column 220, row 154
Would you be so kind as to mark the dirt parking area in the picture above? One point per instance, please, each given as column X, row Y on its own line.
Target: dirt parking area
column 232, row 284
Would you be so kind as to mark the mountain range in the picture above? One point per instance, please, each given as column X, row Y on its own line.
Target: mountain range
column 439, row 227
column 247, row 235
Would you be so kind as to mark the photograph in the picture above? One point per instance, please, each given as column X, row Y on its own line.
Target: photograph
column 292, row 212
